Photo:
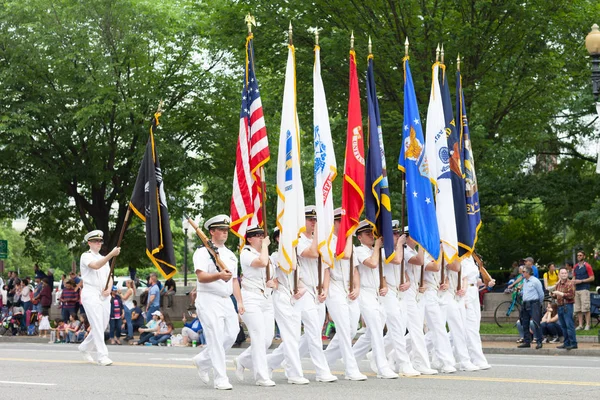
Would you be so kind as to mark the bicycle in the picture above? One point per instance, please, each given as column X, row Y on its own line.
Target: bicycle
column 502, row 314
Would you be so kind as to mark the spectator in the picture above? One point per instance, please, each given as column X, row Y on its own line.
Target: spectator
column 38, row 272
column 26, row 295
column 582, row 276
column 192, row 296
column 565, row 297
column 17, row 321
column 63, row 280
column 35, row 300
column 148, row 331
column 137, row 319
column 168, row 291
column 192, row 331
column 61, row 330
column 83, row 329
column 153, row 297
column 72, row 328
column 517, row 283
column 165, row 329
column 46, row 295
column 75, row 278
column 116, row 316
column 569, row 266
column 69, row 299
column 533, row 295
column 551, row 277
column 521, row 332
column 128, row 306
column 44, row 322
column 50, row 277
column 550, row 327
column 529, row 261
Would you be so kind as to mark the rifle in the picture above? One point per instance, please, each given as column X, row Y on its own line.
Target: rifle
column 485, row 276
column 212, row 249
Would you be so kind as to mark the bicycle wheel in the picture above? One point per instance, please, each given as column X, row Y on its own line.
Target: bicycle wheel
column 506, row 313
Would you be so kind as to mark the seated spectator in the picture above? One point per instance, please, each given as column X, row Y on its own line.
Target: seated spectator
column 82, row 330
column 168, row 291
column 72, row 328
column 137, row 319
column 61, row 330
column 148, row 331
column 116, row 316
column 164, row 332
column 69, row 299
column 522, row 332
column 550, row 327
column 192, row 331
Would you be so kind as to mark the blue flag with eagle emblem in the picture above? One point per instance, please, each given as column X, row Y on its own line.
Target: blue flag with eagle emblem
column 422, row 222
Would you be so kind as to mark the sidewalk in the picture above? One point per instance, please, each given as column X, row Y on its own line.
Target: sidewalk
column 492, row 344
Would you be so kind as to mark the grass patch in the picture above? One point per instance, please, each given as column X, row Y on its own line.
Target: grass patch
column 490, row 328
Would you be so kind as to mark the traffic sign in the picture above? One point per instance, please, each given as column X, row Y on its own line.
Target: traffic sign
column 3, row 249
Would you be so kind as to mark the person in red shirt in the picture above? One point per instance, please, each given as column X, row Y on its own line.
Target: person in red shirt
column 564, row 293
column 45, row 296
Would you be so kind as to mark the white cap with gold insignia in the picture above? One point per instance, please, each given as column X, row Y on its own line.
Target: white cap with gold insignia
column 219, row 221
column 94, row 235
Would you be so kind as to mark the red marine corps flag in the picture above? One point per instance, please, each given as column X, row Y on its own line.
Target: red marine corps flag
column 353, row 185
column 149, row 202
column 252, row 153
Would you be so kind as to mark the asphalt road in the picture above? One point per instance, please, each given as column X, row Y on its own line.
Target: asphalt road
column 42, row 371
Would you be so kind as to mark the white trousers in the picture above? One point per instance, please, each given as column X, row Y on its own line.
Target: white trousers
column 472, row 324
column 436, row 323
column 374, row 316
column 455, row 317
column 311, row 342
column 415, row 316
column 345, row 314
column 288, row 317
column 259, row 320
column 395, row 340
column 97, row 311
column 221, row 327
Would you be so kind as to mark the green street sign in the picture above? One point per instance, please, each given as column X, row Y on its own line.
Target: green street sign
column 3, row 249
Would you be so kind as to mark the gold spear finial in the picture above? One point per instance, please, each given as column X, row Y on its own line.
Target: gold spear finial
column 406, row 47
column 442, row 53
column 458, row 62
column 437, row 53
column 352, row 40
column 290, row 33
column 249, row 22
column 160, row 106
column 370, row 45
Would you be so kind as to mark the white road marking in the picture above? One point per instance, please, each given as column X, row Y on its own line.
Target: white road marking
column 27, row 383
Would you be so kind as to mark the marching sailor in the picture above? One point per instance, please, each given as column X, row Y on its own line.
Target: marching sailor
column 258, row 314
column 343, row 306
column 213, row 303
column 369, row 300
column 94, row 298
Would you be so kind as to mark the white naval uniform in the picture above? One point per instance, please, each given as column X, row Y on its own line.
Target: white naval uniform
column 216, row 313
column 453, row 310
column 473, row 314
column 97, row 307
column 436, row 322
column 258, row 315
column 415, row 313
column 287, row 314
column 345, row 314
column 396, row 317
column 372, row 311
column 311, row 310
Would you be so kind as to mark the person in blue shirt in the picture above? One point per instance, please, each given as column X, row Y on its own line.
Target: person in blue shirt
column 192, row 331
column 533, row 296
column 529, row 261
column 153, row 303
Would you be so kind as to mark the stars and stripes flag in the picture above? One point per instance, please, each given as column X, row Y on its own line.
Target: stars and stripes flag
column 422, row 223
column 436, row 148
column 353, row 185
column 472, row 192
column 325, row 166
column 252, row 153
column 290, row 192
column 456, row 172
column 378, row 207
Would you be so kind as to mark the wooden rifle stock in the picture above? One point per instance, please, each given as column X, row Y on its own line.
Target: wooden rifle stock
column 212, row 250
column 121, row 234
column 319, row 276
column 380, row 270
column 485, row 276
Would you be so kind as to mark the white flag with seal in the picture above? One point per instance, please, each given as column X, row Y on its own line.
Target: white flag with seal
column 290, row 193
column 325, row 166
column 436, row 148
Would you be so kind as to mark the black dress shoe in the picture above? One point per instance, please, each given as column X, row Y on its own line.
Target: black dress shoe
column 523, row 345
column 571, row 347
column 562, row 346
column 538, row 346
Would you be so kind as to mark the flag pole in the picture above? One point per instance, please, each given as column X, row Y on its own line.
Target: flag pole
column 121, row 234
column 296, row 275
column 403, row 198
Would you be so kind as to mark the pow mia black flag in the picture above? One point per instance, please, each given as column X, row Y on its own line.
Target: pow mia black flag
column 149, row 202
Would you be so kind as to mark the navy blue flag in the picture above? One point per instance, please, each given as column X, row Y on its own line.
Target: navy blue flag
column 378, row 208
column 472, row 192
column 422, row 221
column 465, row 245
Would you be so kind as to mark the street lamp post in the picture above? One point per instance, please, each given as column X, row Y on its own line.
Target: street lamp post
column 592, row 44
column 185, row 225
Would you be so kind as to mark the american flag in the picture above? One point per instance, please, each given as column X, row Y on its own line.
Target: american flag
column 251, row 154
